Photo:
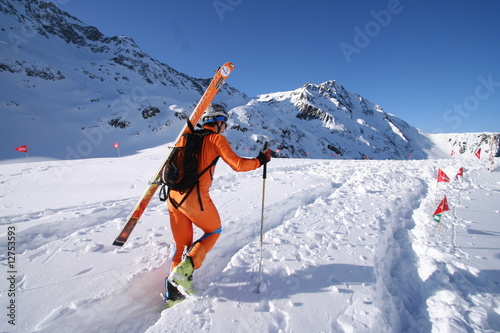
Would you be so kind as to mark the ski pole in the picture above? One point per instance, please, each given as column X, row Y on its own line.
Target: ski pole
column 264, row 176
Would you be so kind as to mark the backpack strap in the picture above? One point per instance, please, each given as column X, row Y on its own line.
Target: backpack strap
column 190, row 126
column 177, row 205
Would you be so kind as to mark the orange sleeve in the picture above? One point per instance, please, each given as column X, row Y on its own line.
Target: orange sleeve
column 231, row 158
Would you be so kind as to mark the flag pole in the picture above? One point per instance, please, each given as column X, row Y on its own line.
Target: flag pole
column 117, row 146
column 437, row 187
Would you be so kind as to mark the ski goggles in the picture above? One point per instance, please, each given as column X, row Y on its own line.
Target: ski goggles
column 215, row 119
column 219, row 118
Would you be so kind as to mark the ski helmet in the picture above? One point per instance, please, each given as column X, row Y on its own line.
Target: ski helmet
column 214, row 113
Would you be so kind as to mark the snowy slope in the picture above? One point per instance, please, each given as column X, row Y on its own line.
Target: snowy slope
column 349, row 246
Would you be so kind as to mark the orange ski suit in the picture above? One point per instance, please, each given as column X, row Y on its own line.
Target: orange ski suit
column 204, row 216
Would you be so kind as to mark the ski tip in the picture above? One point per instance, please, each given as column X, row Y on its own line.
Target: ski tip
column 226, row 69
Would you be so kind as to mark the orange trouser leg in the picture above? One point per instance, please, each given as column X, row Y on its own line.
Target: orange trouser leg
column 202, row 246
column 181, row 222
column 182, row 231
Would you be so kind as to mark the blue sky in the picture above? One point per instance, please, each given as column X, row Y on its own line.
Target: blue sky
column 433, row 63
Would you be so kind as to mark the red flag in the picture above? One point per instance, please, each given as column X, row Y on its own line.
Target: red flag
column 452, row 153
column 117, row 146
column 478, row 153
column 22, row 149
column 442, row 177
column 460, row 173
column 443, row 207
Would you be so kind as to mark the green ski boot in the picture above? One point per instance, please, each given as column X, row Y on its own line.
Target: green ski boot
column 182, row 276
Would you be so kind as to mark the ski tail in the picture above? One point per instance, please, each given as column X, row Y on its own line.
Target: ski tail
column 123, row 236
column 217, row 81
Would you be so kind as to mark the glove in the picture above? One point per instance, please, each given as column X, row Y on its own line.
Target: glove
column 264, row 155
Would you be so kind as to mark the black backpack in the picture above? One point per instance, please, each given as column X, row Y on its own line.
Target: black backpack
column 181, row 171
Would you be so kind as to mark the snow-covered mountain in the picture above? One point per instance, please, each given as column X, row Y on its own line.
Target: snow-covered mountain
column 70, row 92
column 324, row 121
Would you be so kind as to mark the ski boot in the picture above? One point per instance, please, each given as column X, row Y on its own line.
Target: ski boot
column 182, row 276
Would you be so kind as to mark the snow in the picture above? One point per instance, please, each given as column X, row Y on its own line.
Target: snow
column 349, row 246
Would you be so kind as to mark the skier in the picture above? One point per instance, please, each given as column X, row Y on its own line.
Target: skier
column 198, row 208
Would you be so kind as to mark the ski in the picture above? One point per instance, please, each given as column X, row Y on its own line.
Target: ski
column 221, row 74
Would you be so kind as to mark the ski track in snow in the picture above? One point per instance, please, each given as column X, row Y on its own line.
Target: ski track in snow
column 349, row 246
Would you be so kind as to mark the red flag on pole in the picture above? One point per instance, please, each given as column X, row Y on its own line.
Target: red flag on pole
column 442, row 177
column 460, row 173
column 478, row 153
column 452, row 153
column 22, row 149
column 443, row 207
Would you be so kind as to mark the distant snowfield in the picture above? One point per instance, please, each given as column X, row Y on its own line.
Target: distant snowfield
column 349, row 246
